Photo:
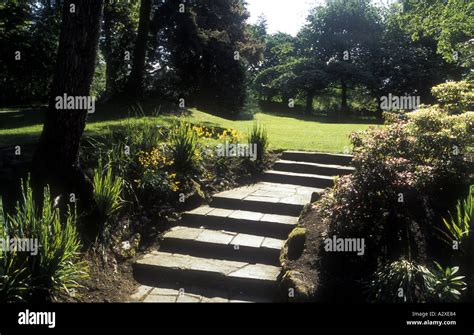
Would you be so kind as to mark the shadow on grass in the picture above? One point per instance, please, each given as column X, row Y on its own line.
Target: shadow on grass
column 18, row 117
column 14, row 118
column 279, row 109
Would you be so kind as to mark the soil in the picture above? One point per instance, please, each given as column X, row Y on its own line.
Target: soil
column 307, row 264
column 108, row 281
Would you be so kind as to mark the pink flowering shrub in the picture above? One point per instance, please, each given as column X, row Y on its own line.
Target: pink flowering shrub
column 408, row 174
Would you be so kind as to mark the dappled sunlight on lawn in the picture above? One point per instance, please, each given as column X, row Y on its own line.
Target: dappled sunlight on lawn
column 285, row 132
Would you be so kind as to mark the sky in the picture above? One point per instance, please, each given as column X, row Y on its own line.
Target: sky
column 287, row 16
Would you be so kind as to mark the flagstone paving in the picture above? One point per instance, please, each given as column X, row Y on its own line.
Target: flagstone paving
column 228, row 251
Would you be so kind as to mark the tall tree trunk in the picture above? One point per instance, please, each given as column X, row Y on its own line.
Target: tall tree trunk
column 135, row 83
column 344, row 107
column 55, row 161
column 309, row 102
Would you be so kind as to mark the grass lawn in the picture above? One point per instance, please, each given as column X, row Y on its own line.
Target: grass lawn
column 19, row 126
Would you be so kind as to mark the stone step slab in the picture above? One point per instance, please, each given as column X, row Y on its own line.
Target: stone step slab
column 266, row 197
column 158, row 267
column 247, row 222
column 221, row 244
column 317, row 157
column 312, row 168
column 302, row 179
column 190, row 294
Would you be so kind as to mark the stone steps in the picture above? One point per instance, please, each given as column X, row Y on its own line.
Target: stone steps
column 228, row 251
column 266, row 197
column 303, row 179
column 264, row 205
column 222, row 245
column 158, row 267
column 174, row 294
column 312, row 168
column 254, row 223
column 316, row 157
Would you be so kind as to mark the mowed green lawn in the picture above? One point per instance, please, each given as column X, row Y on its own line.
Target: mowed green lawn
column 285, row 132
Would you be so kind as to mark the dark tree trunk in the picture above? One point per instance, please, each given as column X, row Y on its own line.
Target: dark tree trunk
column 135, row 84
column 344, row 106
column 55, row 161
column 309, row 102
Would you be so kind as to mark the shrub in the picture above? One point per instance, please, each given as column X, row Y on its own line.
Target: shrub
column 258, row 135
column 141, row 134
column 399, row 281
column 230, row 135
column 55, row 267
column 184, row 146
column 13, row 285
column 454, row 97
column 458, row 228
column 443, row 284
column 457, row 232
column 107, row 190
column 405, row 281
column 407, row 175
column 155, row 176
column 204, row 132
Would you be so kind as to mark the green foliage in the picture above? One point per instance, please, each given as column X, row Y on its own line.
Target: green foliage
column 405, row 281
column 404, row 66
column 407, row 175
column 184, row 146
column 258, row 135
column 107, row 190
column 443, row 284
column 400, row 281
column 454, row 97
column 13, row 286
column 202, row 45
column 448, row 22
column 458, row 227
column 55, row 267
column 32, row 29
column 98, row 85
column 155, row 179
column 118, row 36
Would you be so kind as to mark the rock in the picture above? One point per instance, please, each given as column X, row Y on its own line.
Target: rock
column 293, row 288
column 128, row 249
column 294, row 246
column 315, row 196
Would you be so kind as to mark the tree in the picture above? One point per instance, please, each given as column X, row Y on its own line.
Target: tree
column 280, row 48
column 135, row 85
column 117, row 43
column 449, row 22
column 274, row 76
column 406, row 66
column 55, row 161
column 29, row 33
column 343, row 33
column 209, row 51
column 311, row 77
